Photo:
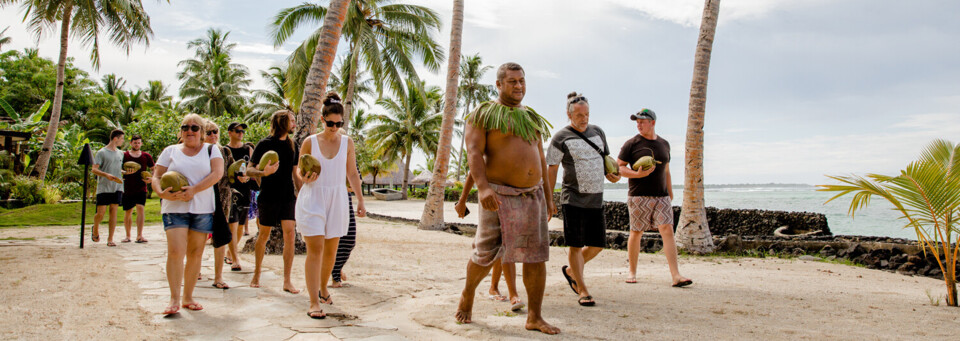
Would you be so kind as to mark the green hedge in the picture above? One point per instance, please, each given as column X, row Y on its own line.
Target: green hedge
column 450, row 193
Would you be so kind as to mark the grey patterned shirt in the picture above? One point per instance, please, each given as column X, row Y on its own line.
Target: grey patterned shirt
column 582, row 166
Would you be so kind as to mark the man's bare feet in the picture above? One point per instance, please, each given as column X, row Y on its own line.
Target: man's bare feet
column 290, row 288
column 542, row 326
column 465, row 309
column 255, row 283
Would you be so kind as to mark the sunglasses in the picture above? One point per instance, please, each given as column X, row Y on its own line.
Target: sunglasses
column 190, row 127
column 238, row 131
column 211, row 132
column 578, row 99
column 335, row 124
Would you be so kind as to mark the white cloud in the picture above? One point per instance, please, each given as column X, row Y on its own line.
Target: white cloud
column 688, row 12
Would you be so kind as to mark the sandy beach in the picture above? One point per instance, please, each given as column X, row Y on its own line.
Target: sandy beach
column 405, row 283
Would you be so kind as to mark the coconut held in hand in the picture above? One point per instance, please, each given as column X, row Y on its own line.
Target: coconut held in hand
column 238, row 168
column 610, row 165
column 645, row 163
column 268, row 158
column 309, row 164
column 145, row 175
column 174, row 181
column 131, row 166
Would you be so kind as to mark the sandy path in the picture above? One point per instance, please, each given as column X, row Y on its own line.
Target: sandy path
column 405, row 283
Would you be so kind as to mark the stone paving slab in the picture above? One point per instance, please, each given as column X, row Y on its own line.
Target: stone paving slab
column 354, row 332
column 270, row 332
column 314, row 337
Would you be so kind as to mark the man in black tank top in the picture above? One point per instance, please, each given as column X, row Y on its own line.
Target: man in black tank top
column 242, row 184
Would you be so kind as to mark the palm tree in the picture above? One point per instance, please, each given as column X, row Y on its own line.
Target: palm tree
column 363, row 85
column 212, row 84
column 693, row 234
column 472, row 92
column 112, row 84
column 325, row 50
column 927, row 195
column 377, row 167
column 273, row 98
column 156, row 92
column 125, row 20
column 4, row 39
column 412, row 123
column 382, row 36
column 432, row 218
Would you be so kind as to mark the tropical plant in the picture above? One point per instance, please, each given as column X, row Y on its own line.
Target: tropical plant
column 693, row 233
column 324, row 53
column 212, row 84
column 377, row 167
column 156, row 92
column 472, row 92
column 4, row 39
column 432, row 217
column 927, row 195
column 29, row 81
column 383, row 36
column 363, row 85
column 273, row 98
column 112, row 84
column 412, row 123
column 23, row 124
column 125, row 20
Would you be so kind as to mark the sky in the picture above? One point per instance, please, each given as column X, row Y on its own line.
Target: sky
column 797, row 89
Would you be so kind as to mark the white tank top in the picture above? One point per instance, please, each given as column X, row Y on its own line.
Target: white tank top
column 333, row 172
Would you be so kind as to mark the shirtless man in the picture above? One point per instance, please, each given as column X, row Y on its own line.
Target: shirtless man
column 505, row 153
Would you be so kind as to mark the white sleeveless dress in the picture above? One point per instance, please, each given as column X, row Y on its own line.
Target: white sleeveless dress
column 322, row 205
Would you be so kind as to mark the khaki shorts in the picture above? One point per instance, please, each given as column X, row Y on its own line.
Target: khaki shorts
column 517, row 231
column 648, row 213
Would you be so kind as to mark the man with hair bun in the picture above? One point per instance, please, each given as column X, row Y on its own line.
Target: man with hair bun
column 581, row 149
column 505, row 153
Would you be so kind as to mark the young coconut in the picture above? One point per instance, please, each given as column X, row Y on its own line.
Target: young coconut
column 145, row 175
column 173, row 180
column 645, row 163
column 610, row 165
column 238, row 168
column 268, row 158
column 131, row 166
column 309, row 164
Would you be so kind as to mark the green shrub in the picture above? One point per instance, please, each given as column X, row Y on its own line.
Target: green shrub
column 27, row 190
column 50, row 194
column 70, row 190
column 450, row 193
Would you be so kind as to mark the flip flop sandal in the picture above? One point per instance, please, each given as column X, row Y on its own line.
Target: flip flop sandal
column 111, row 244
column 193, row 306
column 573, row 284
column 498, row 298
column 227, row 260
column 95, row 238
column 125, row 240
column 171, row 310
column 236, row 268
column 632, row 280
column 517, row 306
column 221, row 285
column 140, row 240
column 682, row 284
column 313, row 316
column 326, row 300
column 586, row 301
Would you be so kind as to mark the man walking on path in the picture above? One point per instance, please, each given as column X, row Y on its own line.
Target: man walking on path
column 135, row 187
column 241, row 200
column 650, row 194
column 506, row 159
column 581, row 149
column 108, row 165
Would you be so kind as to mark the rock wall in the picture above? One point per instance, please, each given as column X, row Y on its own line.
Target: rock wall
column 724, row 222
column 275, row 244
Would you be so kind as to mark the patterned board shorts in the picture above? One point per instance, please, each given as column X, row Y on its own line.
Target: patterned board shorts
column 648, row 213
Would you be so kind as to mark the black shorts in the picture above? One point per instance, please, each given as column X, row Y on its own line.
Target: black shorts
column 132, row 199
column 238, row 214
column 584, row 226
column 271, row 212
column 104, row 199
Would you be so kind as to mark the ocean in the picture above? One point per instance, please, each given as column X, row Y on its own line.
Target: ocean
column 878, row 219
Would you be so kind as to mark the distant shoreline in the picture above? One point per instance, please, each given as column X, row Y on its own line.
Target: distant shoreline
column 623, row 185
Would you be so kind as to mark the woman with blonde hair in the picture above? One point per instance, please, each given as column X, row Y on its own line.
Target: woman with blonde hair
column 188, row 213
column 222, row 233
column 322, row 211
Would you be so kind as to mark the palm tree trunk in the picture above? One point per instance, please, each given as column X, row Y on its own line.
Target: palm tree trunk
column 463, row 139
column 316, row 83
column 693, row 234
column 950, row 275
column 406, row 173
column 43, row 160
column 432, row 218
column 351, row 86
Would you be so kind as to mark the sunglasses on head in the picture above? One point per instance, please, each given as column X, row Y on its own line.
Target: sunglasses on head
column 335, row 124
column 578, row 99
column 211, row 132
column 191, row 127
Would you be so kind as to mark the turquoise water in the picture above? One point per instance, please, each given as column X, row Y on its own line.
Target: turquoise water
column 876, row 220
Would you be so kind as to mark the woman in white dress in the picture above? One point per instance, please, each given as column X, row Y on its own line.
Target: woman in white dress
column 187, row 214
column 322, row 211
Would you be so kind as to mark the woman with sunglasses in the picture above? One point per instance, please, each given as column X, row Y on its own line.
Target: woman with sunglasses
column 322, row 207
column 187, row 214
column 222, row 234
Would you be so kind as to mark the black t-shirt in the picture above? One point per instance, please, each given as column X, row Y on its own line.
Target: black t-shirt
column 279, row 185
column 242, row 153
column 655, row 184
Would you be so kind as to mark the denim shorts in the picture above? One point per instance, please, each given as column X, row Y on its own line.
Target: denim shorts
column 198, row 222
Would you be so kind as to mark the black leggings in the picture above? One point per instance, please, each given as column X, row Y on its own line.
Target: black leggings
column 346, row 243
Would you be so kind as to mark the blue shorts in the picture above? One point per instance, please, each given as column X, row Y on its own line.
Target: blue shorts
column 197, row 222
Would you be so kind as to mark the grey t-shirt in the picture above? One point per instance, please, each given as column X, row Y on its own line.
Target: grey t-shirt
column 111, row 162
column 582, row 166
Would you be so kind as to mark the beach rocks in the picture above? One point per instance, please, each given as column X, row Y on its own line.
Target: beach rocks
column 275, row 244
column 827, row 251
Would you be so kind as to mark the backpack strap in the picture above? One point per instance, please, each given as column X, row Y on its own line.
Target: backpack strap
column 588, row 141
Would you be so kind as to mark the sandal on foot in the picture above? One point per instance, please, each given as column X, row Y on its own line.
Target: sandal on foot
column 570, row 281
column 227, row 260
column 236, row 268
column 586, row 301
column 682, row 283
column 221, row 285
column 171, row 310
column 498, row 298
column 517, row 306
column 111, row 244
column 193, row 306
column 632, row 280
column 95, row 238
column 140, row 240
column 317, row 315
column 125, row 240
column 326, row 300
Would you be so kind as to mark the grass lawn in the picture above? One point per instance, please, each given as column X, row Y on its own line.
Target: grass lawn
column 67, row 214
